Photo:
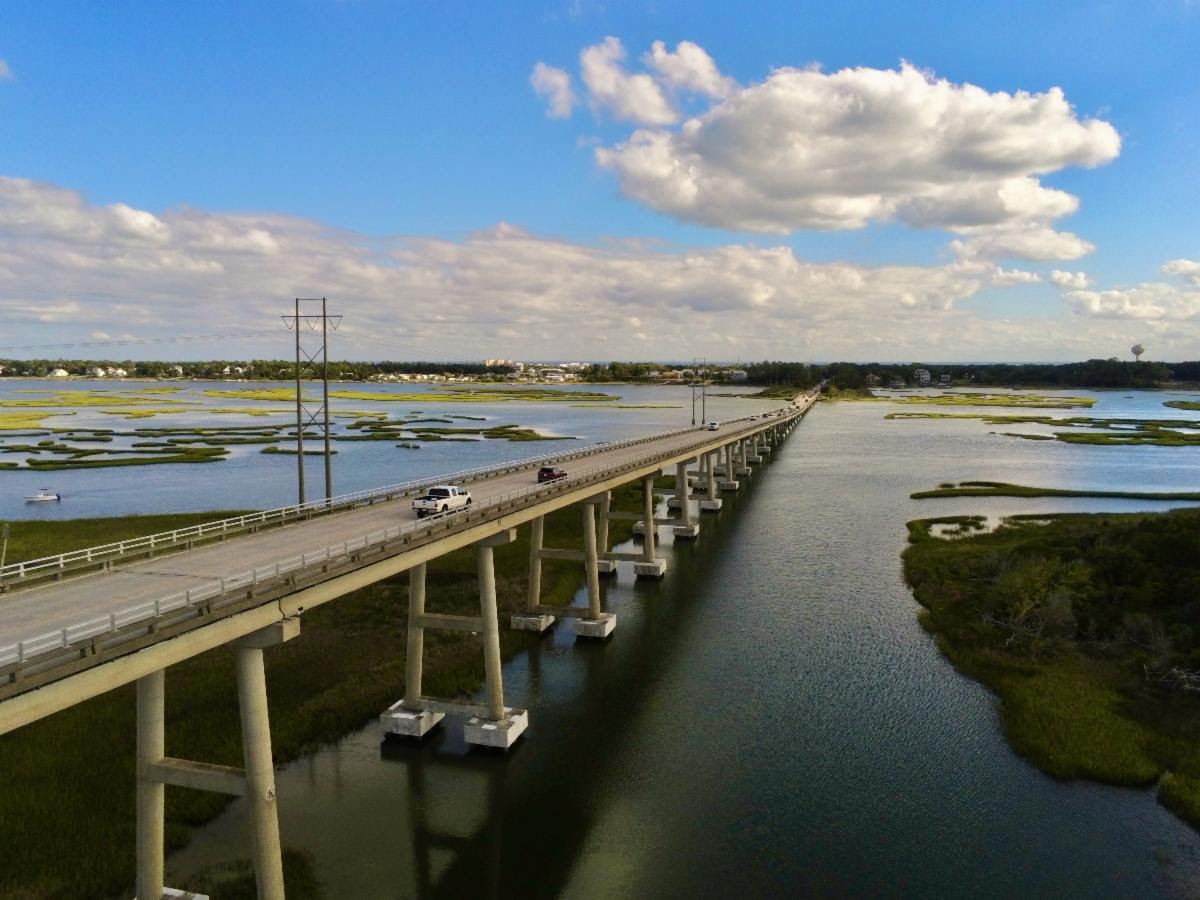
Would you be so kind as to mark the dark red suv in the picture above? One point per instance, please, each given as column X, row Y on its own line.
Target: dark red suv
column 550, row 473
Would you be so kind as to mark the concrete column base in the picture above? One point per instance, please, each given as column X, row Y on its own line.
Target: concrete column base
column 673, row 503
column 538, row 623
column 742, row 470
column 408, row 723
column 596, row 628
column 606, row 566
column 728, row 486
column 655, row 569
column 710, row 505
column 170, row 892
column 500, row 735
column 754, row 459
column 719, row 471
column 686, row 532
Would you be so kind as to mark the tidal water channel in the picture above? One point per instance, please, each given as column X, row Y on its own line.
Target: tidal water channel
column 769, row 720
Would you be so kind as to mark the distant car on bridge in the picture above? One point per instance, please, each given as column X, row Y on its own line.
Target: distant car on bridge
column 714, row 426
column 551, row 473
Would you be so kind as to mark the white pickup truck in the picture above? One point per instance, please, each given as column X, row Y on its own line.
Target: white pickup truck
column 440, row 499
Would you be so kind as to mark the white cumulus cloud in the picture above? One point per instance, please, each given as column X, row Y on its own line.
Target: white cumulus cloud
column 1185, row 268
column 1034, row 242
column 1069, row 280
column 689, row 68
column 555, row 85
column 69, row 268
column 634, row 98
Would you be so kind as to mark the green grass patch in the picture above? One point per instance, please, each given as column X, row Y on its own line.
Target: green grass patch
column 1182, row 404
column 68, row 817
column 1028, row 401
column 1087, row 627
column 1002, row 489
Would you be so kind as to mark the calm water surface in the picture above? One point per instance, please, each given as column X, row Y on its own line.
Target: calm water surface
column 769, row 720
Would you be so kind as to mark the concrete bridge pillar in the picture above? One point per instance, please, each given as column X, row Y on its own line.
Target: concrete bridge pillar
column 599, row 624
column 151, row 791
column 502, row 725
column 650, row 566
column 728, row 483
column 711, row 502
column 686, row 529
column 420, row 719
column 531, row 619
column 255, row 781
column 604, row 566
column 743, row 463
column 260, row 771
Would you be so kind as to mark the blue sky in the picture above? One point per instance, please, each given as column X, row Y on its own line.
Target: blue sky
column 403, row 132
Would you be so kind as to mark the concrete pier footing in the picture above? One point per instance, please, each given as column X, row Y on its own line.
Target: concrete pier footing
column 711, row 505
column 686, row 532
column 741, row 471
column 655, row 569
column 606, row 567
column 531, row 622
column 598, row 628
column 409, row 723
column 755, row 458
column 496, row 733
column 729, row 485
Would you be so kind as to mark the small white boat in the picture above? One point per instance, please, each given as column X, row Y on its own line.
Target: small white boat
column 42, row 496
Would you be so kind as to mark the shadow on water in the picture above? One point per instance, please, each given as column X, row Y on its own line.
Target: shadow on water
column 539, row 801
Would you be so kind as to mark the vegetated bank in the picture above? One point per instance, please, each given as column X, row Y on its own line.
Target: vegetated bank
column 67, row 815
column 1003, row 489
column 1087, row 627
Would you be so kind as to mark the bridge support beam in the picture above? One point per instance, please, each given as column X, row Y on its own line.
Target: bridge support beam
column 743, row 461
column 604, row 566
column 711, row 502
column 651, row 566
column 599, row 624
column 408, row 718
column 531, row 620
column 503, row 724
column 728, row 483
column 687, row 529
column 256, row 781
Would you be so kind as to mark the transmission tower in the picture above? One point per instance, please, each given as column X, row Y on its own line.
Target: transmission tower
column 699, row 386
column 308, row 411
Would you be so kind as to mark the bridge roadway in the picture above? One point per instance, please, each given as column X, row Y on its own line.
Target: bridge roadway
column 46, row 608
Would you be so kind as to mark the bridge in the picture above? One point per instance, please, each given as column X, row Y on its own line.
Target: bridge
column 82, row 623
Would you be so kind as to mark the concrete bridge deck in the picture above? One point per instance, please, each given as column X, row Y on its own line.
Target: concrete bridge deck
column 88, row 619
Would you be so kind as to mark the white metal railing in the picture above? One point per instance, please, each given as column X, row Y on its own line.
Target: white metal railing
column 63, row 638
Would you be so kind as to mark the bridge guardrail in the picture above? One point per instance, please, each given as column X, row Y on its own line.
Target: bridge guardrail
column 105, row 554
column 64, row 638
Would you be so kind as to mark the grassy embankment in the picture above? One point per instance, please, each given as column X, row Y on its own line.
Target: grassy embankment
column 1023, row 401
column 1087, row 630
column 775, row 392
column 1002, row 489
column 440, row 394
column 67, row 816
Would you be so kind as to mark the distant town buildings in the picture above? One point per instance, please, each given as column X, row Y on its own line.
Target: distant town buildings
column 922, row 376
column 873, row 379
column 59, row 373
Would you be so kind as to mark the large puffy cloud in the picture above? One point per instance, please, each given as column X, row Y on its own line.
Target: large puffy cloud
column 1150, row 301
column 69, row 269
column 555, row 85
column 807, row 149
column 1186, row 268
column 633, row 98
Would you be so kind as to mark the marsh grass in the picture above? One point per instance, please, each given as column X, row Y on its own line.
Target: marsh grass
column 1002, row 489
column 67, row 817
column 1071, row 622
